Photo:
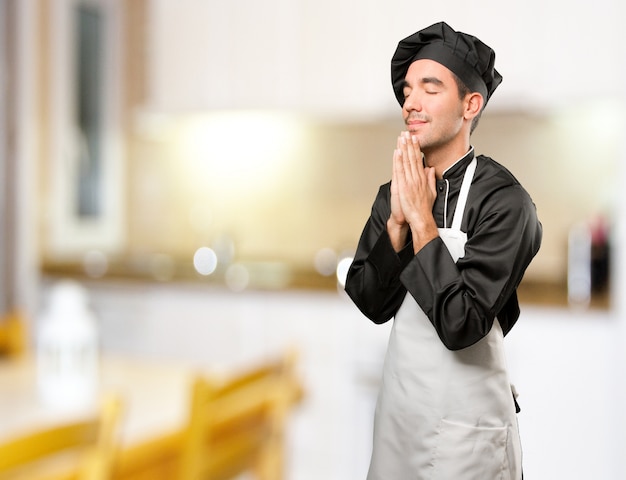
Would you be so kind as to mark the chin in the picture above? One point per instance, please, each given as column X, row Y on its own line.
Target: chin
column 415, row 132
column 421, row 139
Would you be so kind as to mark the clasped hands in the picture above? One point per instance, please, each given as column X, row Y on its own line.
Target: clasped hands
column 413, row 194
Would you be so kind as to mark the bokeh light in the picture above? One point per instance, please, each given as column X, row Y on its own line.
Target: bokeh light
column 342, row 270
column 95, row 263
column 237, row 277
column 325, row 261
column 205, row 261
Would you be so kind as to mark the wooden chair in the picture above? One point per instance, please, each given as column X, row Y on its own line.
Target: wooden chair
column 78, row 450
column 13, row 335
column 238, row 425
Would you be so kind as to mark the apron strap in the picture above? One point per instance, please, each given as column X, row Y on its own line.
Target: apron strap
column 463, row 193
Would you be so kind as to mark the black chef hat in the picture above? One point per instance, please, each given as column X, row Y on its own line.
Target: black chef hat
column 465, row 55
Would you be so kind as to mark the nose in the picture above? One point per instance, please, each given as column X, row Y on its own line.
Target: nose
column 412, row 102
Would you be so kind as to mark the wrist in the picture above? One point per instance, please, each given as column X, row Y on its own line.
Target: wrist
column 423, row 234
column 397, row 233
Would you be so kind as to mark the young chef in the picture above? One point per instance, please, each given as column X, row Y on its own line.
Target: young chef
column 445, row 247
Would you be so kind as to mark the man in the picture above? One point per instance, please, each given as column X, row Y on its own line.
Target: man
column 445, row 247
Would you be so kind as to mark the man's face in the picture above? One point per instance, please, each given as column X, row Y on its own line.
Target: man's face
column 432, row 109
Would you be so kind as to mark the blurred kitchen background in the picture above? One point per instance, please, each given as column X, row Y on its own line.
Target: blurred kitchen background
column 204, row 168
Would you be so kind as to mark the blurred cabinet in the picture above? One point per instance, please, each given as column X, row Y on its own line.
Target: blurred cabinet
column 333, row 57
column 277, row 54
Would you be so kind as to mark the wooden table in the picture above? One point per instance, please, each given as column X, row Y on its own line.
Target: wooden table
column 155, row 396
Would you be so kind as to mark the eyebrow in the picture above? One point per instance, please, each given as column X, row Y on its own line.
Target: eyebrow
column 424, row 80
column 433, row 80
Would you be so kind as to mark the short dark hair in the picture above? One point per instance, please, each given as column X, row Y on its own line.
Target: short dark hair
column 463, row 91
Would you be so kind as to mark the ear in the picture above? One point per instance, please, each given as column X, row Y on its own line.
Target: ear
column 473, row 105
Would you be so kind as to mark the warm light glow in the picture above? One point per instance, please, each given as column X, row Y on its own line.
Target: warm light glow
column 240, row 149
column 201, row 217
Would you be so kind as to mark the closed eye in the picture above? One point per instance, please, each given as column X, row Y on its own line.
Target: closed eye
column 431, row 84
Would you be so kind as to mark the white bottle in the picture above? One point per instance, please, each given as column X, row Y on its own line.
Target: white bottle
column 579, row 266
column 67, row 349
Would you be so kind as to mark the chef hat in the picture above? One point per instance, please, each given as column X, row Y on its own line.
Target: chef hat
column 465, row 55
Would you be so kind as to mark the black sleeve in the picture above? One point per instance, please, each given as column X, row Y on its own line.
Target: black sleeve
column 462, row 299
column 373, row 280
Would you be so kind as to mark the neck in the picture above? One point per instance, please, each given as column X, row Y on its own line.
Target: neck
column 442, row 158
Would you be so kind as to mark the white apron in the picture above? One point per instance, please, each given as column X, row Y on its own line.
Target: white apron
column 442, row 414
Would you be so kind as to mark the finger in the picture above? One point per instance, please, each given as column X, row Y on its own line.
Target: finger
column 432, row 180
column 408, row 168
column 417, row 153
column 398, row 169
column 414, row 160
column 394, row 169
column 400, row 155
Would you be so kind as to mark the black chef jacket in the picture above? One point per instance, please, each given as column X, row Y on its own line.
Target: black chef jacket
column 461, row 299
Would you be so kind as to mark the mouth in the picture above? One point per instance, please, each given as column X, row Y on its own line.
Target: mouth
column 415, row 124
